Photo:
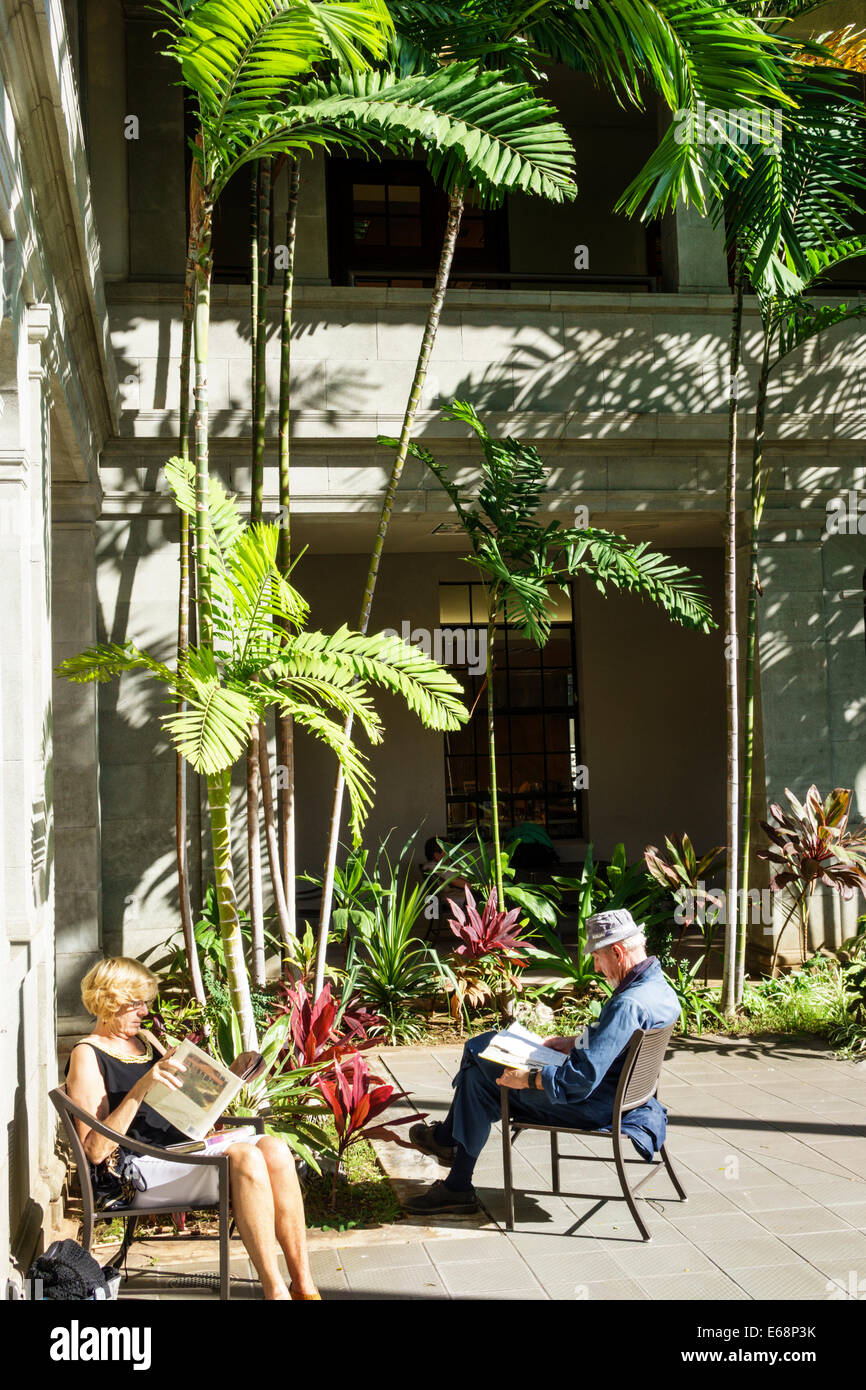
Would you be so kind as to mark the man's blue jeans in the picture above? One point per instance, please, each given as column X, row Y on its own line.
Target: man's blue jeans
column 478, row 1101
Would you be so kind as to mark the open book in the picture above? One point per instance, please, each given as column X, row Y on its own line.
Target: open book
column 517, row 1047
column 207, row 1087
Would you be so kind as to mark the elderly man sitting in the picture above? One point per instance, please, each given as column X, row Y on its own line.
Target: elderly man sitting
column 578, row 1093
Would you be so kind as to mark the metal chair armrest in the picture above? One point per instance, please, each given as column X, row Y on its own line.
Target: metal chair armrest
column 234, row 1121
column 62, row 1102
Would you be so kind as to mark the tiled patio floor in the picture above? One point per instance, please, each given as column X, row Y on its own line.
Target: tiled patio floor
column 769, row 1137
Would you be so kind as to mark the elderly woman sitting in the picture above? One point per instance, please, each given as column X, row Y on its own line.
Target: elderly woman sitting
column 110, row 1073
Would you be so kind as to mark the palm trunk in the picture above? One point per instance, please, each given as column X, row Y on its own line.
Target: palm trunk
column 285, row 727
column 219, row 784
column 219, row 796
column 437, row 302
column 491, row 746
column 181, row 814
column 271, row 839
column 731, row 660
column 758, row 494
column 260, row 236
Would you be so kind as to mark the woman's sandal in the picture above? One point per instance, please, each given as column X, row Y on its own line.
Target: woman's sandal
column 305, row 1297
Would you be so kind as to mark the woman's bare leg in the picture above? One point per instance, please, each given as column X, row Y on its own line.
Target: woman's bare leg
column 253, row 1209
column 289, row 1221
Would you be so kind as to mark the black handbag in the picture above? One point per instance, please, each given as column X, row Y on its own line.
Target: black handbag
column 116, row 1180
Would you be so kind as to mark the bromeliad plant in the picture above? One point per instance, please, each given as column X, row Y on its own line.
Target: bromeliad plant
column 812, row 844
column 259, row 655
column 491, row 954
column 521, row 559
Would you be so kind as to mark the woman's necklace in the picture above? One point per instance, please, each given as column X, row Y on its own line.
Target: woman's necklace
column 144, row 1056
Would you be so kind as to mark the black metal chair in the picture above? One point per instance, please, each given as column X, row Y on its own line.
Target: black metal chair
column 69, row 1112
column 638, row 1083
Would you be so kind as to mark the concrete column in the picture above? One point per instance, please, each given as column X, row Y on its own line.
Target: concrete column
column 78, row 853
column 795, row 703
column 107, row 146
column 693, row 250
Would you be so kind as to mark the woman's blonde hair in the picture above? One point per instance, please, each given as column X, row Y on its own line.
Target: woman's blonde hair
column 113, row 983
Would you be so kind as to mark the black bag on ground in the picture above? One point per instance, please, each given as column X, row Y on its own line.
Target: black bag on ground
column 68, row 1272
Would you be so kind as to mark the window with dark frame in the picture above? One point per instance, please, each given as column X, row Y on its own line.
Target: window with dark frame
column 386, row 222
column 535, row 710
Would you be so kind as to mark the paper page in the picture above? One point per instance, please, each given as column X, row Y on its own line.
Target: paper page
column 517, row 1047
column 207, row 1089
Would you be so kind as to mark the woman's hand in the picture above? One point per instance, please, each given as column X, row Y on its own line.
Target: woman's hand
column 166, row 1071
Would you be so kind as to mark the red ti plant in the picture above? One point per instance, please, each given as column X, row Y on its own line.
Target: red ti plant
column 313, row 1033
column 812, row 844
column 356, row 1097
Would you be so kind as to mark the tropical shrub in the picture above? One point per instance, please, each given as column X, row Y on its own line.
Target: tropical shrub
column 812, row 844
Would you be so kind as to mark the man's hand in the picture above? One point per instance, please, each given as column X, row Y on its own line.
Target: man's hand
column 514, row 1078
column 559, row 1044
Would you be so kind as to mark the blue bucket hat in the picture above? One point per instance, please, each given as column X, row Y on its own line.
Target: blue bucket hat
column 606, row 928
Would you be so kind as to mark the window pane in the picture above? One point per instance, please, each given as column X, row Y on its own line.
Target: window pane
column 558, row 687
column 368, row 197
column 371, row 231
column 405, row 231
column 407, row 194
column 527, row 733
column 559, row 730
column 558, row 649
column 528, row 775
column 454, row 603
column 522, row 651
column 460, row 775
column 559, row 772
column 525, row 689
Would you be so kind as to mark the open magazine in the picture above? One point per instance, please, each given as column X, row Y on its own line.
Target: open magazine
column 207, row 1087
column 517, row 1047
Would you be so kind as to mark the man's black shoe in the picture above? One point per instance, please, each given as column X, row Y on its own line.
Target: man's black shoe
column 424, row 1138
column 439, row 1199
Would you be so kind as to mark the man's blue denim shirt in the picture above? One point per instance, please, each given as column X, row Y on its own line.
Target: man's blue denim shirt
column 593, row 1066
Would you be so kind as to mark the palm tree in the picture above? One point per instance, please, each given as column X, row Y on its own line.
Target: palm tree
column 258, row 657
column 791, row 218
column 242, row 61
column 688, row 54
column 521, row 559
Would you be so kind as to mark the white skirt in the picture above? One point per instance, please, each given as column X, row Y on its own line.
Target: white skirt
column 183, row 1185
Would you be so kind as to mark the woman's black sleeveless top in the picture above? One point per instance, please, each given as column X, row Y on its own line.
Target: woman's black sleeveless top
column 120, row 1075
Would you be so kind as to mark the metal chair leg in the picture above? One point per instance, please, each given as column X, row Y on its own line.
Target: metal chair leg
column 626, row 1190
column 119, row 1256
column 506, row 1163
column 554, row 1160
column 681, row 1192
column 225, row 1232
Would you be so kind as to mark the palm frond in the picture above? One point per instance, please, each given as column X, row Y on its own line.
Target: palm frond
column 238, row 56
column 427, row 688
column 261, row 599
column 105, row 661
column 359, row 780
column 473, row 127
column 212, row 731
column 637, row 569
